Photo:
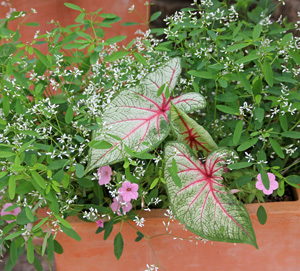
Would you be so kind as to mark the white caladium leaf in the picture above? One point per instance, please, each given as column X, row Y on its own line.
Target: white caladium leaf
column 189, row 102
column 167, row 74
column 138, row 118
column 202, row 203
column 189, row 131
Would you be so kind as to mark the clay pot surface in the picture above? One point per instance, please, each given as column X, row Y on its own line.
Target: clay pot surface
column 56, row 10
column 278, row 241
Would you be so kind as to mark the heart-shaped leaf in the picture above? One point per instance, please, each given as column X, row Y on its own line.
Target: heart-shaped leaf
column 189, row 131
column 138, row 118
column 204, row 204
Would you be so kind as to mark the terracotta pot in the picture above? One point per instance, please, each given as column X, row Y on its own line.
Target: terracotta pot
column 55, row 9
column 278, row 241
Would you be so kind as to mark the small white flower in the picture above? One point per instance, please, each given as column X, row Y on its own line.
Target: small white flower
column 139, row 221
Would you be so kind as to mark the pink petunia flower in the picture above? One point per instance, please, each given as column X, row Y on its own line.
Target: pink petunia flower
column 100, row 223
column 273, row 184
column 13, row 212
column 118, row 203
column 104, row 175
column 129, row 191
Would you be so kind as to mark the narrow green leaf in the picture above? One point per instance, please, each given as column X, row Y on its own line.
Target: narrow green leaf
column 154, row 183
column 63, row 222
column 293, row 179
column 201, row 74
column 13, row 235
column 268, row 73
column 140, row 58
column 39, row 179
column 72, row 46
column 94, row 57
column 13, row 252
column 283, row 122
column 85, row 183
column 37, row 264
column 73, row 6
column 240, row 165
column 12, row 186
column 259, row 113
column 256, row 31
column 154, row 16
column 32, row 24
column 79, row 170
column 281, row 189
column 227, row 109
column 69, row 115
column 44, row 245
column 108, row 15
column 276, row 147
column 237, row 132
column 6, row 154
column 173, row 172
column 248, row 144
column 101, row 145
column 115, row 56
column 108, row 227
column 66, row 180
column 236, row 47
column 265, row 178
column 118, row 245
column 287, row 38
column 29, row 214
column 261, row 215
column 291, row 134
column 115, row 40
column 58, row 248
column 247, row 58
column 42, row 57
column 295, row 56
column 244, row 180
column 20, row 79
column 6, row 105
column 58, row 164
column 80, row 18
column 30, row 251
column 129, row 23
column 37, row 226
column 50, row 248
column 70, row 232
column 139, row 237
column 222, row 82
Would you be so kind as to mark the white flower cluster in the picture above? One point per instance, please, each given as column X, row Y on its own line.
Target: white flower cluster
column 151, row 267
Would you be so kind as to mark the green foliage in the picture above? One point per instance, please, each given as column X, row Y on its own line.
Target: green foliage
column 52, row 104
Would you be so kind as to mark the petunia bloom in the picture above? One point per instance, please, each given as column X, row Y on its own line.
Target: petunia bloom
column 104, row 175
column 129, row 191
column 100, row 223
column 118, row 203
column 273, row 184
column 15, row 211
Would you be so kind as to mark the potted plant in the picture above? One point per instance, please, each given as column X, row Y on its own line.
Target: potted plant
column 188, row 122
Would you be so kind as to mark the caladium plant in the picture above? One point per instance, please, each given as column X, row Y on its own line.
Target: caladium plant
column 202, row 202
column 189, row 131
column 139, row 118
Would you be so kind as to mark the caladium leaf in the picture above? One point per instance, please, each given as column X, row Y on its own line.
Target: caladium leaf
column 138, row 116
column 167, row 74
column 189, row 131
column 204, row 204
column 189, row 102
